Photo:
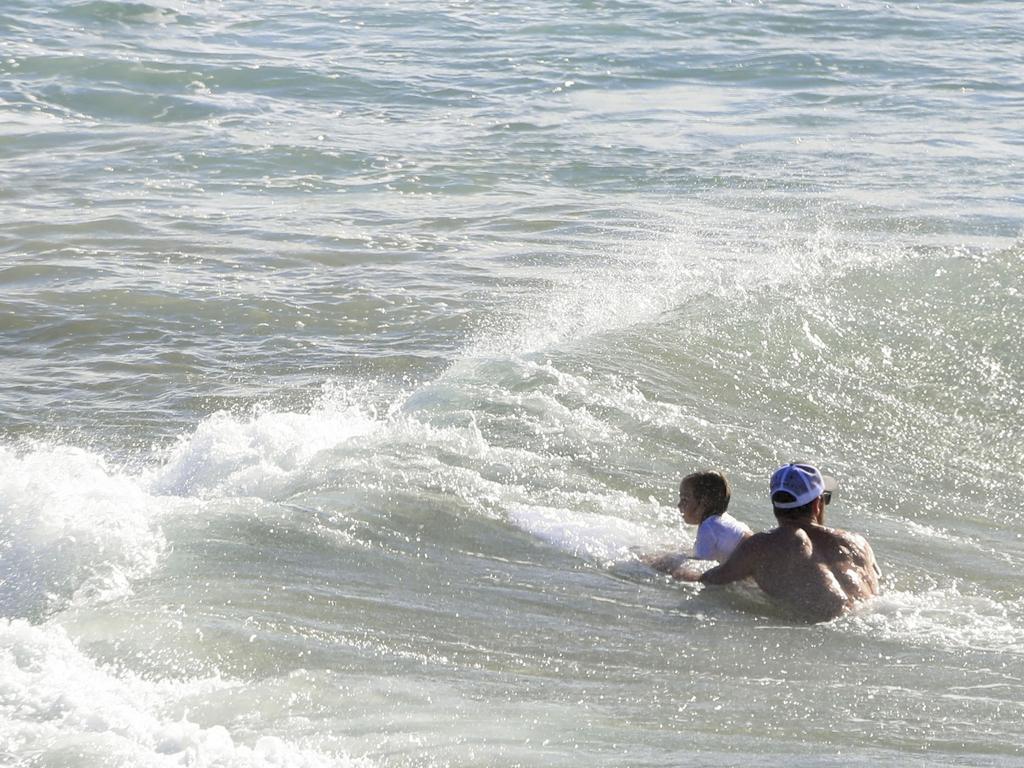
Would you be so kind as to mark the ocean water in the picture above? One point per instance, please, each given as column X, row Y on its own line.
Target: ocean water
column 352, row 353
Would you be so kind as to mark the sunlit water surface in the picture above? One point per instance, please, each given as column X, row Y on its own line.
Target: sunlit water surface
column 352, row 353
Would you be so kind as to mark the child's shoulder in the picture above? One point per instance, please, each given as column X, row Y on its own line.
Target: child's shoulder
column 725, row 520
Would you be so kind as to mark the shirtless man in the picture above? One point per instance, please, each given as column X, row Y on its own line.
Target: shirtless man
column 819, row 572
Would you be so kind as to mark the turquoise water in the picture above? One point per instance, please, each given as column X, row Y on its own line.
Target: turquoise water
column 352, row 353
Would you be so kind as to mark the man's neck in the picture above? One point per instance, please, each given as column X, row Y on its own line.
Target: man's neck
column 802, row 523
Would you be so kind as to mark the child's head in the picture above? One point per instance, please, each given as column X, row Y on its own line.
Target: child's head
column 703, row 494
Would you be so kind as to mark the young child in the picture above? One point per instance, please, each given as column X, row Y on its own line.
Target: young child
column 703, row 500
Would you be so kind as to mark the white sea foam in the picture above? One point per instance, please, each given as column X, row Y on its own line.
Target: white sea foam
column 604, row 538
column 257, row 454
column 72, row 528
column 942, row 618
column 55, row 701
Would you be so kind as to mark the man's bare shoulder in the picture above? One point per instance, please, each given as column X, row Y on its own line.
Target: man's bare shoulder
column 847, row 539
column 835, row 545
column 784, row 539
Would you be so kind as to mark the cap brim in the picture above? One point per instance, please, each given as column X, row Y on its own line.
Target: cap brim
column 829, row 483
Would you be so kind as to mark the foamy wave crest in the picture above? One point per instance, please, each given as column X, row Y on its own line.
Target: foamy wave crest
column 604, row 538
column 71, row 528
column 257, row 455
column 942, row 618
column 669, row 266
column 58, row 705
column 634, row 285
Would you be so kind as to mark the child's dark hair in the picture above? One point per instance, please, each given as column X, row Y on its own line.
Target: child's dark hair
column 711, row 489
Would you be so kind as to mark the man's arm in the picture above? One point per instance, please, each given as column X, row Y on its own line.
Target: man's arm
column 740, row 565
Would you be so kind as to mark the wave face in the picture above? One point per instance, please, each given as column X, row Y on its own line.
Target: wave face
column 353, row 355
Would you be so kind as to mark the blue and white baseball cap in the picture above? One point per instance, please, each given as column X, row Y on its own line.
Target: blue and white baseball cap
column 801, row 481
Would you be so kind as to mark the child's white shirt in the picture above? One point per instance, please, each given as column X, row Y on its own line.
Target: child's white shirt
column 718, row 536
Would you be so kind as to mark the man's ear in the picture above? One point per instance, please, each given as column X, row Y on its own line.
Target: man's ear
column 819, row 510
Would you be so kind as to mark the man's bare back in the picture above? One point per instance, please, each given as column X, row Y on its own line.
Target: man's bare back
column 817, row 571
